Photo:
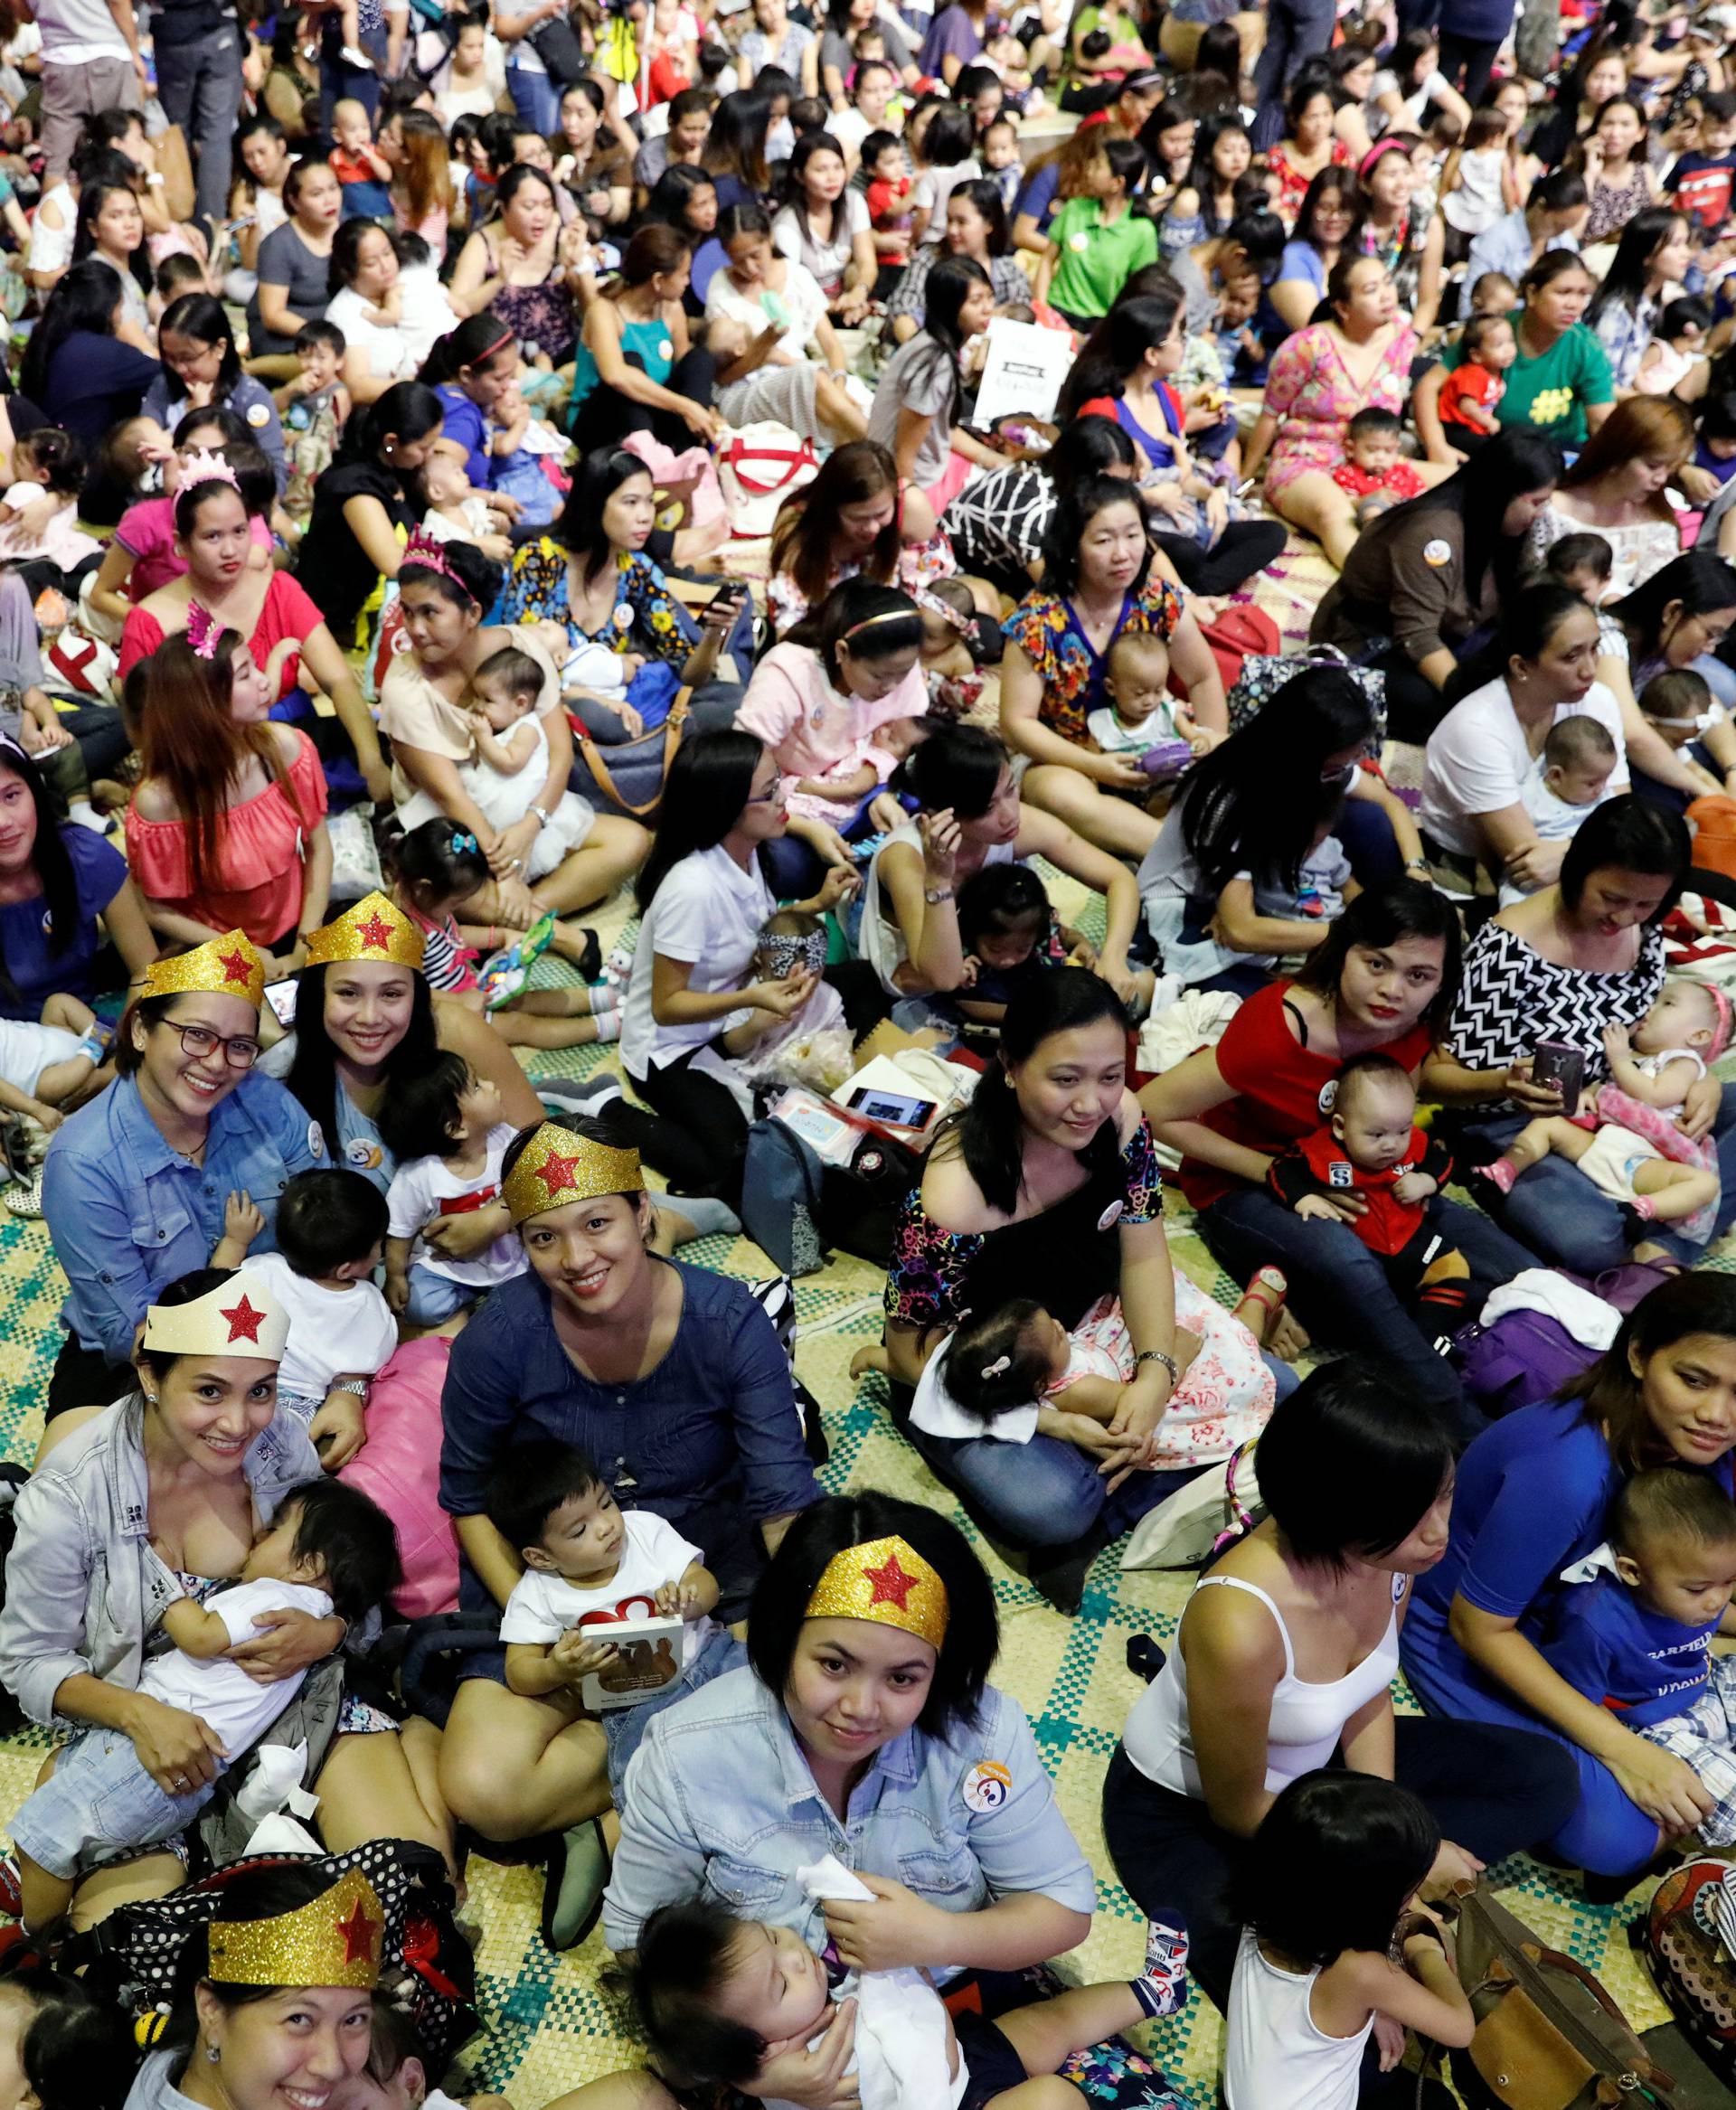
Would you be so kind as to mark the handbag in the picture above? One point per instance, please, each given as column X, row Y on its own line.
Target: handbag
column 1263, row 675
column 175, row 165
column 760, row 466
column 560, row 50
column 686, row 489
column 1238, row 635
column 627, row 779
column 1683, row 1938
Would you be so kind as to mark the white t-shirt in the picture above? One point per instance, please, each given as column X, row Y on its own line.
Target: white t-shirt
column 389, row 355
column 333, row 1333
column 793, row 237
column 542, row 1608
column 50, row 248
column 220, row 1693
column 803, row 302
column 425, row 309
column 707, row 913
column 933, row 188
column 428, row 1187
column 1477, row 761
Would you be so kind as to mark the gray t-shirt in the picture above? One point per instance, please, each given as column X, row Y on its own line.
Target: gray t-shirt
column 918, row 376
column 284, row 259
column 835, row 50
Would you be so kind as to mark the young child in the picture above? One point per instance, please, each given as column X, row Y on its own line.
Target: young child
column 1372, row 1146
column 1715, row 449
column 331, row 1237
column 456, row 511
column 1240, row 348
column 1469, row 394
column 1570, row 778
column 588, row 1563
column 1472, row 194
column 1333, row 1937
column 1494, row 294
column 948, row 665
column 941, row 151
column 358, row 164
column 1373, row 470
column 1635, row 1633
column 1651, row 1066
column 718, row 1995
column 1584, row 561
column 999, row 151
column 315, row 407
column 1680, row 705
column 837, row 798
column 1677, row 347
column 812, row 1046
column 1700, row 183
column 888, row 188
column 47, row 461
column 512, row 760
column 443, row 1125
column 42, row 1065
column 1141, row 713
column 327, row 1550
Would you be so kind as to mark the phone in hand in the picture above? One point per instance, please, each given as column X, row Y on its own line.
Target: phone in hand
column 1554, row 1063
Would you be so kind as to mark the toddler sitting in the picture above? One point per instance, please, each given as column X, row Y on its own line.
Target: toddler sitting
column 811, row 1045
column 1141, row 715
column 720, row 1997
column 444, row 1128
column 52, row 463
column 1371, row 1147
column 1471, row 392
column 1570, row 778
column 1635, row 1634
column 512, row 759
column 1652, row 1066
column 1373, row 470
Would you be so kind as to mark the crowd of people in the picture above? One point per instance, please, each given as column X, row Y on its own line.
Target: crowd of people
column 468, row 468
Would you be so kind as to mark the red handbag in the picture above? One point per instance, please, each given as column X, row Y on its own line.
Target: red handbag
column 1232, row 636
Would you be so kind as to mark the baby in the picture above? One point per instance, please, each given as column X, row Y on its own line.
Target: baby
column 44, row 1065
column 1570, row 778
column 1679, row 706
column 46, row 462
column 772, row 1050
column 512, row 760
column 837, row 796
column 998, row 150
column 1635, row 1633
column 456, row 512
column 1651, row 1065
column 948, row 623
column 356, row 161
column 718, row 1997
column 1371, row 1147
column 1373, row 471
column 1494, row 294
column 1141, row 717
column 1678, row 346
column 1584, row 561
column 328, row 1549
column 1469, row 394
column 443, row 1125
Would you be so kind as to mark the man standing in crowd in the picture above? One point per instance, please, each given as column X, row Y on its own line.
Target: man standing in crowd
column 198, row 47
column 91, row 62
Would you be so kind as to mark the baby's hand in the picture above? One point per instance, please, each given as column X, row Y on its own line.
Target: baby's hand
column 397, row 1295
column 1617, row 1043
column 677, row 1601
column 1413, row 1186
column 632, row 663
column 576, row 1655
column 243, row 1219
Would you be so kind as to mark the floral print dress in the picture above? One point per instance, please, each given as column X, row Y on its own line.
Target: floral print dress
column 1313, row 395
column 647, row 617
column 1072, row 670
column 1292, row 185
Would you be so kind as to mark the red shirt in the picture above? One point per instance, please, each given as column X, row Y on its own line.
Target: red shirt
column 1281, row 1087
column 1469, row 384
column 287, row 613
column 1388, row 1225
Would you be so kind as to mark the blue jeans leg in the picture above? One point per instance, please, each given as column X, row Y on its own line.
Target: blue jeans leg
column 1044, row 1492
column 536, row 99
column 435, row 1299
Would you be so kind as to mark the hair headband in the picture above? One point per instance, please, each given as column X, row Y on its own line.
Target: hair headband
column 935, row 606
column 1722, row 1009
column 332, row 1941
column 239, row 1316
column 1377, row 154
column 200, row 466
column 868, row 622
column 500, row 344
column 430, row 555
column 887, row 1582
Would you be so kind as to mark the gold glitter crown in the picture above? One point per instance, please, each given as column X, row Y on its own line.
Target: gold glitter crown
column 886, row 1581
column 224, row 966
column 239, row 1317
column 556, row 1167
column 334, row 1941
column 374, row 930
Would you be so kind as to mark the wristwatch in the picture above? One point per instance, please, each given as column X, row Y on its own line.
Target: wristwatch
column 1157, row 1355
column 935, row 895
column 359, row 1387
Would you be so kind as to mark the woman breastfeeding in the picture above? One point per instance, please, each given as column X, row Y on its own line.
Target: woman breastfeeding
column 163, row 1494
column 1284, row 1661
column 136, row 1183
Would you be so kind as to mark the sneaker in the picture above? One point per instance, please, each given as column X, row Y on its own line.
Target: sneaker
column 575, row 1878
column 572, row 1095
column 24, row 1197
column 359, row 60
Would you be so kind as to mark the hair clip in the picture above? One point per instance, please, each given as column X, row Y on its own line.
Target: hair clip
column 460, row 841
column 204, row 630
column 200, row 466
column 935, row 606
column 994, row 1369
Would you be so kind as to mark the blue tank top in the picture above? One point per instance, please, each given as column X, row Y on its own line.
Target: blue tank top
column 648, row 343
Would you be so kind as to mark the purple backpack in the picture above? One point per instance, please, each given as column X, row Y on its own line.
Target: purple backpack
column 1517, row 1359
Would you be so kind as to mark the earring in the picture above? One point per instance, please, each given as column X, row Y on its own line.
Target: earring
column 213, row 2053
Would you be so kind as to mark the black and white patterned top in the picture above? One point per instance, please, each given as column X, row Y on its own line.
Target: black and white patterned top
column 997, row 522
column 1510, row 998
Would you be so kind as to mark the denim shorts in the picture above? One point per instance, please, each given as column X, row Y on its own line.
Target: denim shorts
column 99, row 1806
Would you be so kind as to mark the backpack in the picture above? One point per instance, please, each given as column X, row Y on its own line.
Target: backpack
column 1685, row 1937
column 1516, row 1359
column 1263, row 675
column 793, row 1205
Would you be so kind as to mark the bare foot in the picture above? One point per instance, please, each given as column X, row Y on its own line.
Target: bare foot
column 1656, row 1256
column 1262, row 1304
column 1288, row 1337
column 871, row 1358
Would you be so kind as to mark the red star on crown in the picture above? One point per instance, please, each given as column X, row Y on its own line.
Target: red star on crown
column 891, row 1585
column 358, row 1931
column 244, row 1321
column 556, row 1173
column 235, row 966
column 375, row 933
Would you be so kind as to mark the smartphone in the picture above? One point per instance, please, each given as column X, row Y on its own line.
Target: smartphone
column 894, row 1108
column 281, row 997
column 1554, row 1063
column 1245, row 487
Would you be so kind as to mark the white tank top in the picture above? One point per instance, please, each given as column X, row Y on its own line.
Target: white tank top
column 880, row 941
column 1275, row 2055
column 1306, row 1719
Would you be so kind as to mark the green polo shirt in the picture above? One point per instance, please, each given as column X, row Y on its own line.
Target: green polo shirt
column 1550, row 394
column 1097, row 261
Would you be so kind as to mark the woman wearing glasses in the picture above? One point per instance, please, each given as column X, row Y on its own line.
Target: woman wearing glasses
column 136, row 1185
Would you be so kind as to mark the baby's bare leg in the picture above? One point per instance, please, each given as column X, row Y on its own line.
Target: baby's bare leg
column 1671, row 1191
column 1048, row 2030
column 1551, row 1134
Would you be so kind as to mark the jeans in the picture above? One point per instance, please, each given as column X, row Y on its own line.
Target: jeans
column 434, row 1298
column 199, row 85
column 1296, row 30
column 1560, row 1215
column 1048, row 1493
column 100, row 1804
column 536, row 98
column 338, row 78
column 1340, row 1292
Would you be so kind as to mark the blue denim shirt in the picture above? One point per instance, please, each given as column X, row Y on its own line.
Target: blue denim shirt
column 719, row 1803
column 128, row 1215
column 84, row 1588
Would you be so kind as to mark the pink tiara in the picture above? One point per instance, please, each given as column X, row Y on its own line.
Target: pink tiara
column 430, row 555
column 204, row 630
column 203, row 467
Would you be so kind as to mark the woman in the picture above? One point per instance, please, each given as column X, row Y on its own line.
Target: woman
column 1425, row 578
column 854, row 518
column 1651, row 261
column 1308, row 146
column 134, row 1184
column 1412, row 84
column 635, row 370
column 1665, row 1394
column 363, row 279
column 1055, row 176
column 470, row 369
column 1323, row 224
column 685, row 199
column 1123, row 373
column 1617, row 165
column 1382, row 984
column 227, row 827
column 712, row 1444
column 163, row 1493
column 111, row 227
column 1360, row 1482
column 816, row 701
column 1679, row 619
column 65, row 896
column 824, row 227
column 777, row 311
column 1554, row 208
column 1098, row 240
column 414, row 147
column 1410, row 244
column 954, row 39
column 774, row 40
column 362, row 509
column 702, row 897
column 79, row 369
column 1217, row 181
column 1098, row 581
column 593, row 578
column 968, row 815
column 295, row 260
column 1615, row 489
column 201, row 368
column 525, row 266
column 267, row 609
column 917, row 411
column 1358, row 359
column 596, row 171
column 1352, row 69
column 256, row 205
column 977, row 229
column 996, row 525
column 837, row 59
column 735, row 149
column 1586, row 953
column 1601, row 75
column 1253, row 241
column 444, row 593
column 1560, row 383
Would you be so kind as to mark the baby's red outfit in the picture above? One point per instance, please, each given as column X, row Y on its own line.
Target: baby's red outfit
column 1469, row 383
column 351, row 168
column 885, row 210
column 1402, row 480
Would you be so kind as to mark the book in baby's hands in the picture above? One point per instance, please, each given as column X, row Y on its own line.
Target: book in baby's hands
column 647, row 1662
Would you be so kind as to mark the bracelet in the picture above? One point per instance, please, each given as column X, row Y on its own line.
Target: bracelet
column 1157, row 1355
column 543, row 816
column 934, row 896
column 358, row 1386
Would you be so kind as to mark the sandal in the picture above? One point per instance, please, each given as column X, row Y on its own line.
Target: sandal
column 575, row 1878
column 1267, row 1287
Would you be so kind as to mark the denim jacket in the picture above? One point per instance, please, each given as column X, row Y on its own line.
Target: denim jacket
column 84, row 1587
column 719, row 1803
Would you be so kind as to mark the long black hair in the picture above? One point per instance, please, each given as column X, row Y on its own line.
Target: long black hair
column 947, row 288
column 1514, row 461
column 61, row 915
column 409, row 409
column 704, row 795
column 85, row 297
column 91, row 195
column 473, row 343
column 1388, row 915
column 1623, row 283
column 199, row 315
column 76, row 2049
column 1075, row 512
column 313, row 1074
column 671, row 195
column 580, row 530
column 1116, row 345
column 1086, row 447
column 1700, row 580
column 984, row 193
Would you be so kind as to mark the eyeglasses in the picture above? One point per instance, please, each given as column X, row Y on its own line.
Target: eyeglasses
column 766, row 796
column 240, row 1051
